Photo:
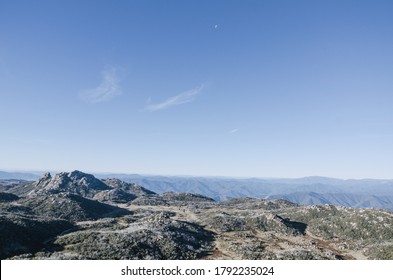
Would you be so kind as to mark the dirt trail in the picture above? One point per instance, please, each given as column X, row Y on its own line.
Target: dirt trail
column 328, row 245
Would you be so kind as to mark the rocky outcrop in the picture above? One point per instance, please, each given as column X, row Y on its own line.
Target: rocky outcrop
column 74, row 182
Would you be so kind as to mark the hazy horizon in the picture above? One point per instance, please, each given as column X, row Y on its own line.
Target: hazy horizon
column 41, row 172
column 278, row 89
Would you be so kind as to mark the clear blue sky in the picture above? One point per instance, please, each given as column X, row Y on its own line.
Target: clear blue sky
column 231, row 88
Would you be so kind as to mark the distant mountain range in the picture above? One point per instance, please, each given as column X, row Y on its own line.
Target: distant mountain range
column 342, row 199
column 308, row 191
column 19, row 175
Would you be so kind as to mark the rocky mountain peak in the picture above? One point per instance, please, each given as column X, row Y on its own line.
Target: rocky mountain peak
column 75, row 182
column 76, row 174
column 44, row 180
column 46, row 176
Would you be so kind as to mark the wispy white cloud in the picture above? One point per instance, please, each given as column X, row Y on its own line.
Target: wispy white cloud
column 106, row 90
column 184, row 97
column 233, row 130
